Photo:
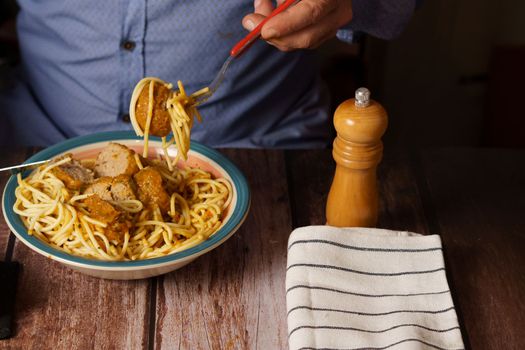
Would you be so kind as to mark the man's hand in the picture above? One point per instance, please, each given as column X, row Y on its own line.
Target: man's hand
column 305, row 25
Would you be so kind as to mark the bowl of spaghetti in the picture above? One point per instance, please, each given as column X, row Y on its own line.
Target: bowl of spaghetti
column 146, row 221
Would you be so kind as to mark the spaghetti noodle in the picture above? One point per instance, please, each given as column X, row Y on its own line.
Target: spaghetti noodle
column 59, row 216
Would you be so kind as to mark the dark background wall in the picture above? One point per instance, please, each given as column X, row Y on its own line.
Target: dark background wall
column 8, row 44
column 455, row 76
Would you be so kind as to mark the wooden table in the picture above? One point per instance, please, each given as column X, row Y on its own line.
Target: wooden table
column 233, row 297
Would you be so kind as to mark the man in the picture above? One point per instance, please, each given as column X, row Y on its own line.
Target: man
column 81, row 60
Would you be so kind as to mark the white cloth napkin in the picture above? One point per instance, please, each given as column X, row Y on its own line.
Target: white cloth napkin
column 359, row 288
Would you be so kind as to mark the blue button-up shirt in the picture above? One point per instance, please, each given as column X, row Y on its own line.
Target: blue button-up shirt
column 81, row 60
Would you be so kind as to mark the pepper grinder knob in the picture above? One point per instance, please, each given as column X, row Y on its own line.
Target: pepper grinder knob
column 362, row 97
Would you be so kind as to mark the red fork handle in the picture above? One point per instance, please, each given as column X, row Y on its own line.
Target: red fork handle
column 249, row 39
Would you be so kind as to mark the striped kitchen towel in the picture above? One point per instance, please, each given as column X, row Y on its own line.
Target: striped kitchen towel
column 359, row 288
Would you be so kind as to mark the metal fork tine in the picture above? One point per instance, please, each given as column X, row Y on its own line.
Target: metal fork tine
column 214, row 85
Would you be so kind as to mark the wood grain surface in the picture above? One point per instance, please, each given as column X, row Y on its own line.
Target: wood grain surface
column 478, row 199
column 233, row 297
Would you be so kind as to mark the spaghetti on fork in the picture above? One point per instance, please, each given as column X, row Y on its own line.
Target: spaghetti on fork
column 155, row 109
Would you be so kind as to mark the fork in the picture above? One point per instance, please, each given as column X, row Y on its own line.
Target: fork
column 238, row 49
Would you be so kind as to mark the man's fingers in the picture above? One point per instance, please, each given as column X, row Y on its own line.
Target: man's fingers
column 249, row 22
column 309, row 37
column 297, row 17
column 305, row 25
column 302, row 41
column 263, row 7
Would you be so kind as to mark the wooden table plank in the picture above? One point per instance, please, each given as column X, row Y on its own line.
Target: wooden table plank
column 310, row 175
column 58, row 308
column 479, row 199
column 233, row 297
column 8, row 157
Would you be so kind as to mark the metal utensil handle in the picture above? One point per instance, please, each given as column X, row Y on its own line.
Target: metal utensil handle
column 249, row 39
column 15, row 169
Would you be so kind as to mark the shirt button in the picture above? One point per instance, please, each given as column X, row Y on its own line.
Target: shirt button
column 128, row 45
column 125, row 118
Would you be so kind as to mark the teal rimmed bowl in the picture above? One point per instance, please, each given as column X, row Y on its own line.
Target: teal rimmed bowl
column 87, row 147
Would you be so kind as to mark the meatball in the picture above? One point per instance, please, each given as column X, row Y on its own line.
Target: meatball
column 117, row 223
column 117, row 188
column 101, row 187
column 114, row 160
column 72, row 173
column 150, row 189
column 160, row 117
column 100, row 209
column 123, row 188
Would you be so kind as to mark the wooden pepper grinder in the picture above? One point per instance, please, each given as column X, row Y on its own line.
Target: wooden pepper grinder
column 353, row 199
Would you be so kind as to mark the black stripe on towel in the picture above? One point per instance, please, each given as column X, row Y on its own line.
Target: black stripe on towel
column 385, row 347
column 363, row 294
column 370, row 314
column 368, row 249
column 373, row 331
column 332, row 267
